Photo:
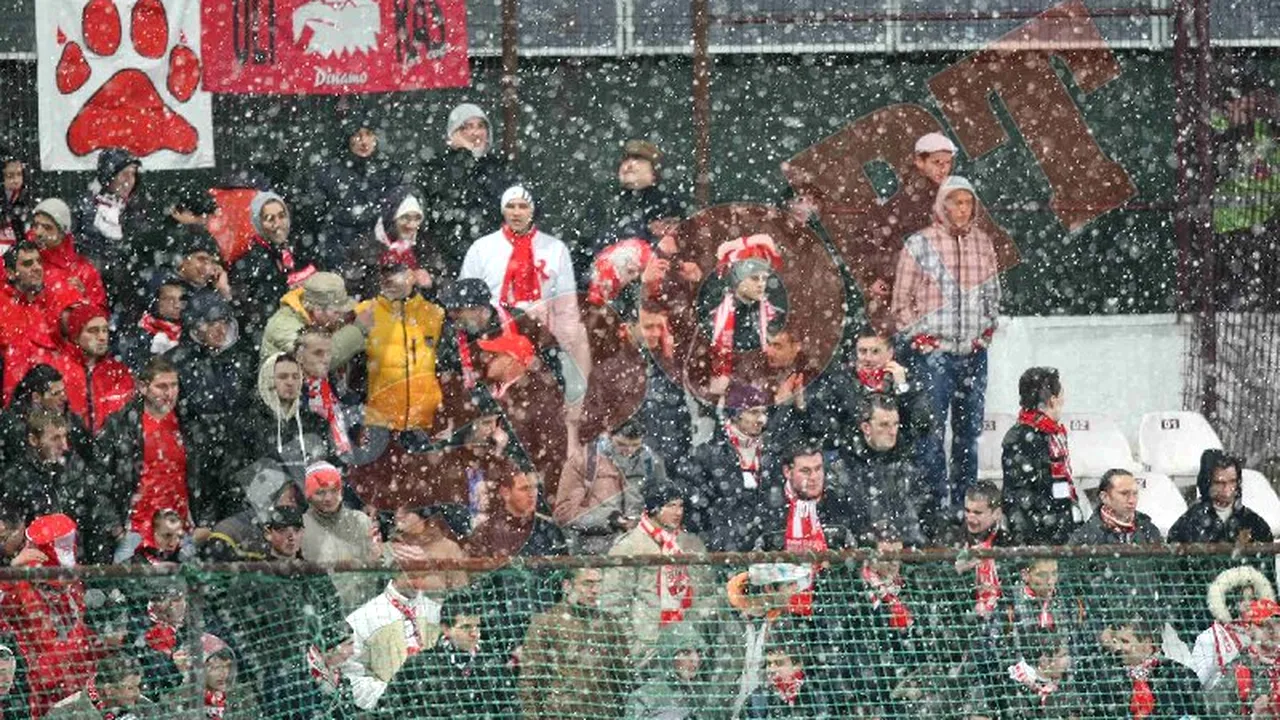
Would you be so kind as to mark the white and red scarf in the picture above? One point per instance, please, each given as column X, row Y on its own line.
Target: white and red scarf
column 215, row 704
column 285, row 263
column 413, row 639
column 1227, row 643
column 722, row 329
column 747, row 449
column 675, row 591
column 522, row 282
column 162, row 636
column 803, row 534
column 788, row 686
column 1142, row 701
column 399, row 251
column 323, row 402
column 1059, row 455
column 91, row 691
column 804, row 528
column 1124, row 528
column 1026, row 675
column 887, row 593
column 159, row 326
column 1044, row 618
column 986, row 592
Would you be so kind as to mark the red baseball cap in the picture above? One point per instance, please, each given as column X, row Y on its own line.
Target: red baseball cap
column 1261, row 611
column 510, row 343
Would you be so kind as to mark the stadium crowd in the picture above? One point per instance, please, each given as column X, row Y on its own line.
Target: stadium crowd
column 403, row 366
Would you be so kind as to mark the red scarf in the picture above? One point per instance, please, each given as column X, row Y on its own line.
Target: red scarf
column 987, row 581
column 1142, row 703
column 1244, row 681
column 91, row 690
column 215, row 704
column 1115, row 524
column 1059, row 456
column 675, row 592
column 412, row 633
column 1226, row 641
column 161, row 636
column 722, row 328
column 888, row 592
column 323, row 402
column 1044, row 619
column 522, row 282
column 285, row 263
column 789, row 687
column 873, row 379
column 156, row 326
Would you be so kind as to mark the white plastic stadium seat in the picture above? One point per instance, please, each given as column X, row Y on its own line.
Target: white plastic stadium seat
column 1097, row 444
column 994, row 427
column 1258, row 495
column 1160, row 498
column 1086, row 507
column 1170, row 443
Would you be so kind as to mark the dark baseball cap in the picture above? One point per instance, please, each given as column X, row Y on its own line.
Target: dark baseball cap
column 471, row 292
column 283, row 517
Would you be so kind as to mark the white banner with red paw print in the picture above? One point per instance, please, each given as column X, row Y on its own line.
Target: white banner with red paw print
column 122, row 73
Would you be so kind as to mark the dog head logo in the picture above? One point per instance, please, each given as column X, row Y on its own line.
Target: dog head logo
column 336, row 27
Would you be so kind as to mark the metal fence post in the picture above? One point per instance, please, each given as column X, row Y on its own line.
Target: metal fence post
column 700, row 11
column 510, row 90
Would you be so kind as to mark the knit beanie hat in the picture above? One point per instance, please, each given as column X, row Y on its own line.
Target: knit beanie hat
column 658, row 494
column 79, row 316
column 321, row 475
column 57, row 210
column 461, row 114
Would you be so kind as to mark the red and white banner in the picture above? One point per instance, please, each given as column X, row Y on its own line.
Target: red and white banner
column 121, row 73
column 334, row 46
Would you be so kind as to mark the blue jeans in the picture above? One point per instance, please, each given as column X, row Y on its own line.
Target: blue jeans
column 956, row 386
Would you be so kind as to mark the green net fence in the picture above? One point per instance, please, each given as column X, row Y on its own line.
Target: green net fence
column 1123, row 632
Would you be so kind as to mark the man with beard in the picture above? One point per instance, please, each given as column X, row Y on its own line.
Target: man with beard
column 98, row 385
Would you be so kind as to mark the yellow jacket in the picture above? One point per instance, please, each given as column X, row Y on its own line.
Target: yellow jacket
column 403, row 390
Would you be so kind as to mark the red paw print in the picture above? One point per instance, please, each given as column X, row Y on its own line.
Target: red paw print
column 128, row 111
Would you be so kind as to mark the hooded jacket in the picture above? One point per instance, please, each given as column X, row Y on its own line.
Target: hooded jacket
column 291, row 317
column 15, row 210
column 109, row 228
column 282, row 432
column 94, row 393
column 403, row 391
column 666, row 696
column 462, row 192
column 380, row 242
column 259, row 278
column 239, row 537
column 1201, row 522
column 65, row 270
column 29, row 334
column 344, row 198
column 947, row 286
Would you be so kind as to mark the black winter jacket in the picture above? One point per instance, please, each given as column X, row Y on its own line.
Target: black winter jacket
column 462, row 197
column 343, row 203
column 1034, row 515
column 33, row 488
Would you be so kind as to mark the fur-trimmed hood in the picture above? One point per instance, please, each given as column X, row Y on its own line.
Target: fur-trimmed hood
column 1233, row 579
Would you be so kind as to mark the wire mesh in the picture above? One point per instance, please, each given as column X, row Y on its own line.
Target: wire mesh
column 953, row 635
